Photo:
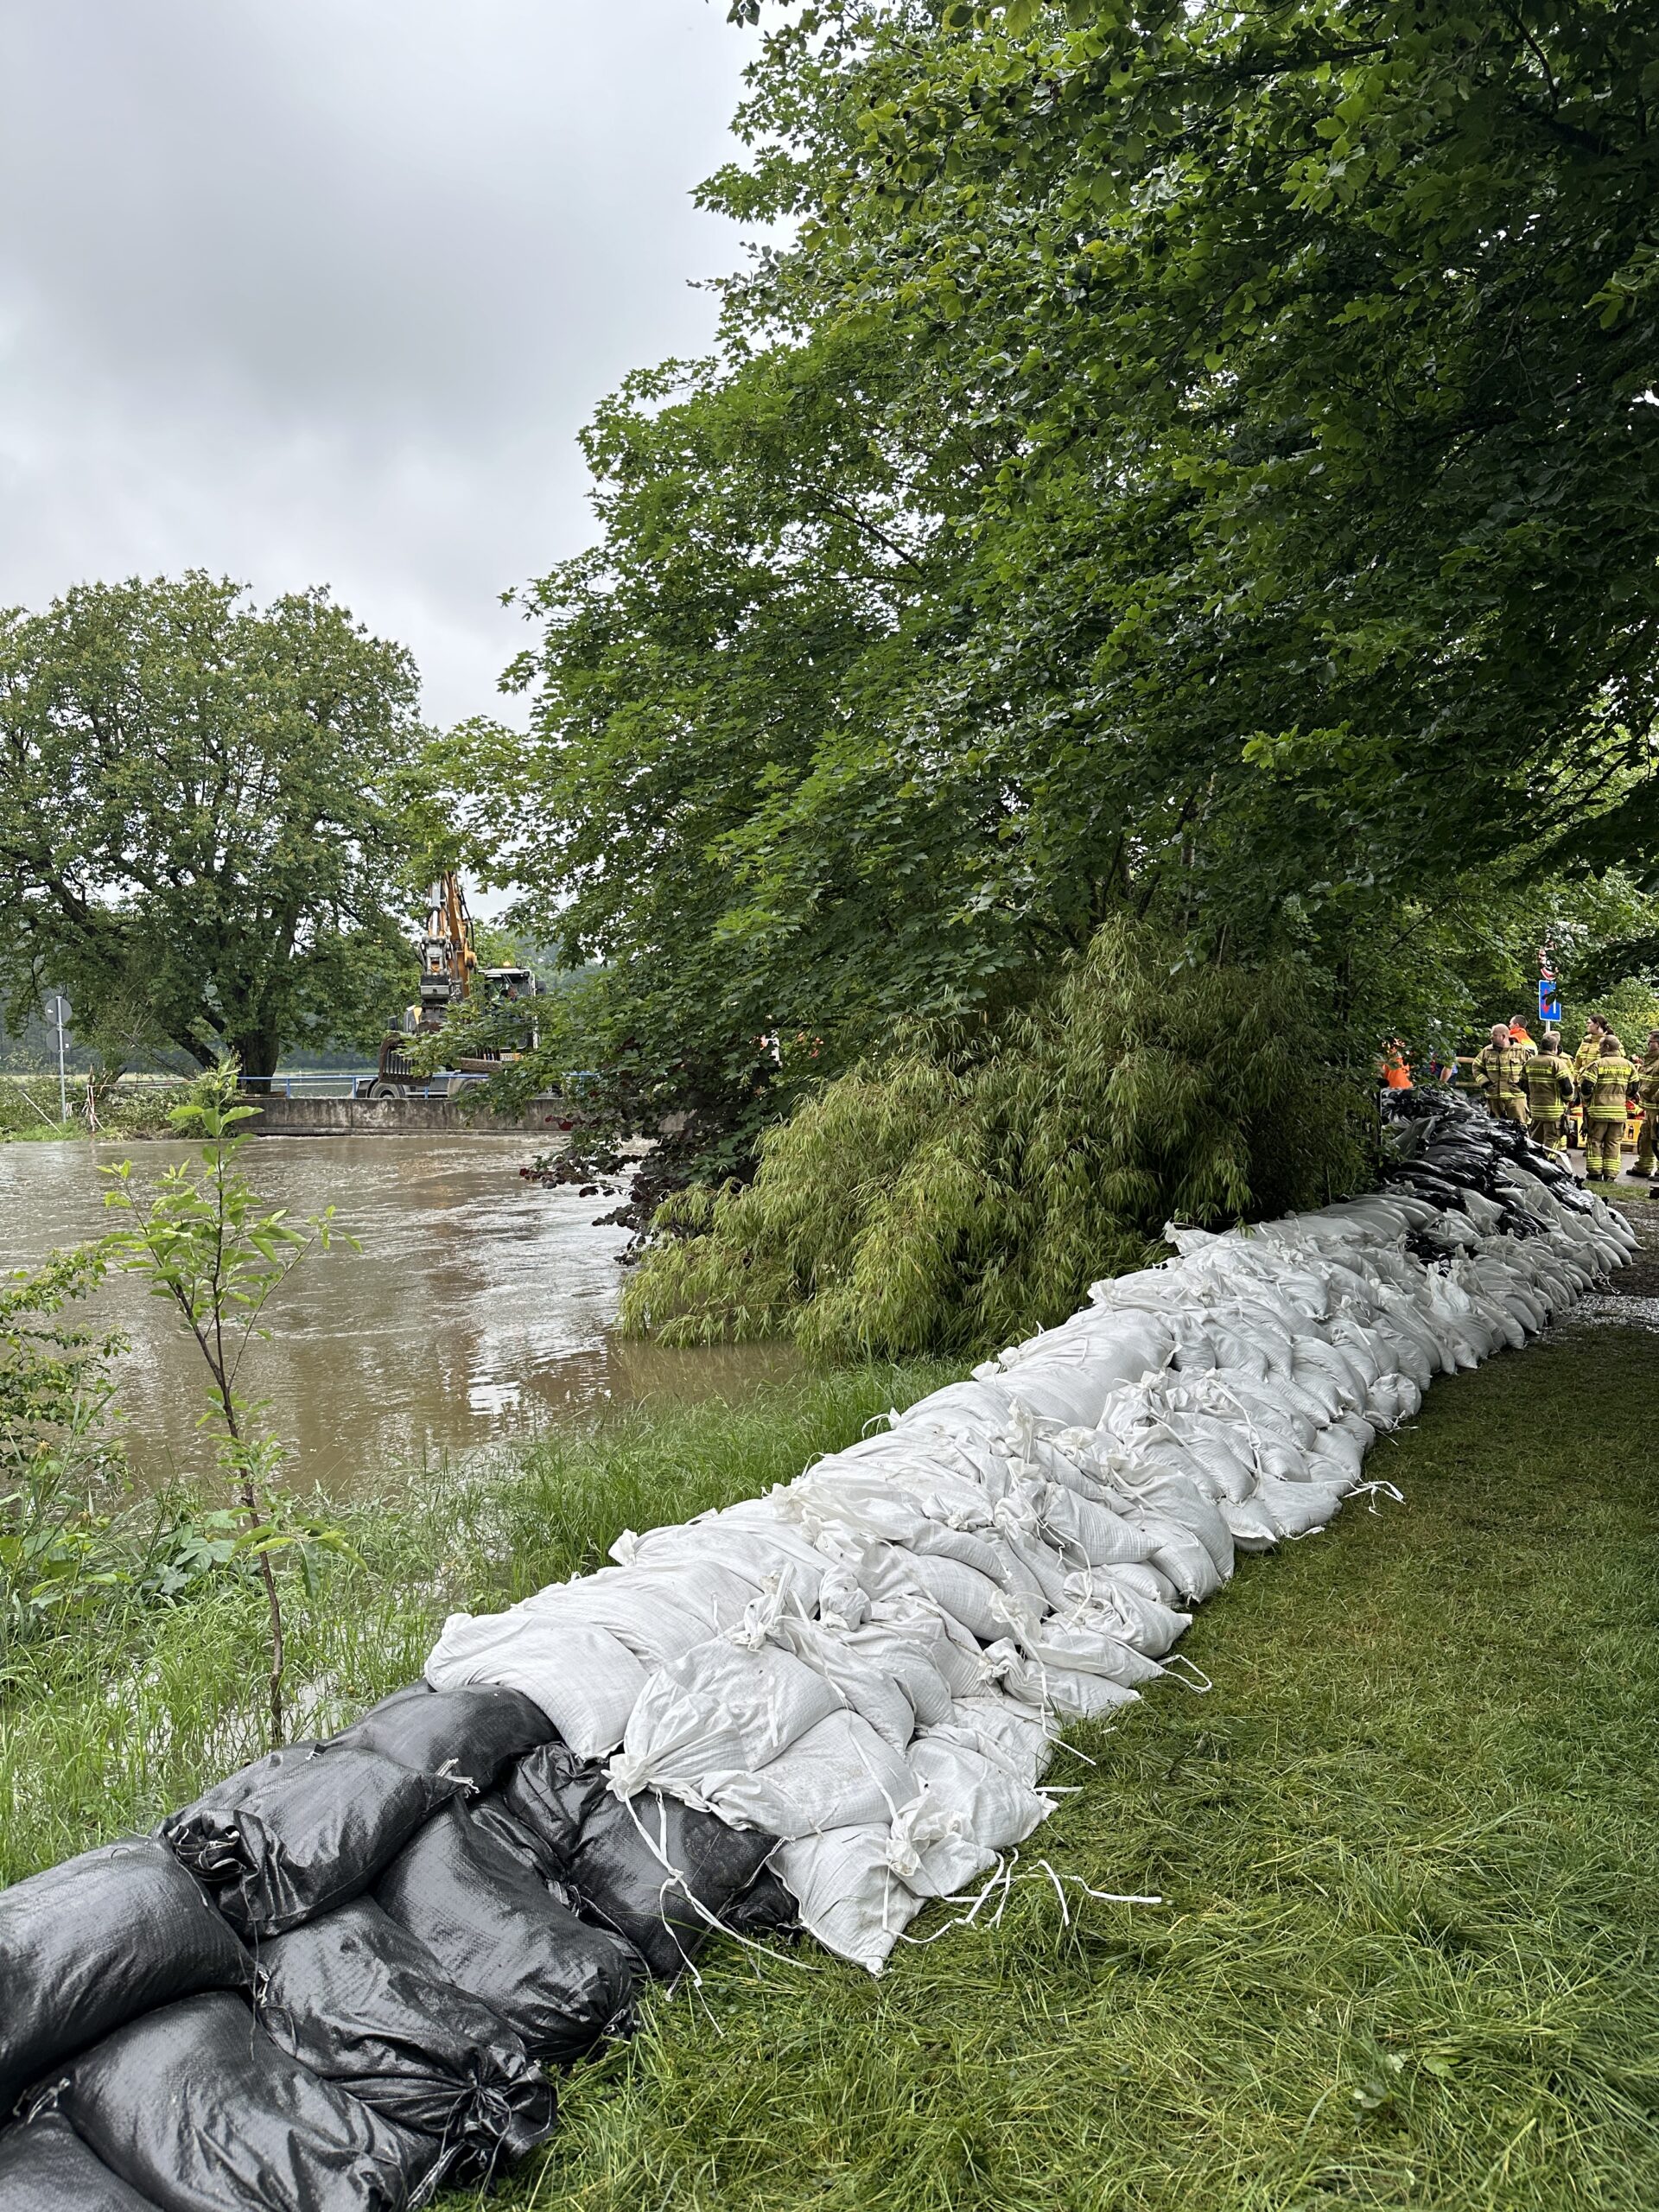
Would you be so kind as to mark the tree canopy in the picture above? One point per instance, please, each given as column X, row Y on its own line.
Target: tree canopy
column 200, row 833
column 1194, row 462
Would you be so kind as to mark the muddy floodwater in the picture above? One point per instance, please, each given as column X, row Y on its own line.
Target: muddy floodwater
column 478, row 1307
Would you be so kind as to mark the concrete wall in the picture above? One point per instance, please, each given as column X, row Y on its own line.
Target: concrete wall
column 397, row 1117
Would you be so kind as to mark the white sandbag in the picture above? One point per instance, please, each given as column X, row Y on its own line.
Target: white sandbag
column 1085, row 1638
column 1062, row 1391
column 1133, row 1603
column 660, row 1611
column 1010, row 1735
column 888, row 1571
column 582, row 1678
column 1144, row 1485
column 1065, row 1693
column 723, row 1709
column 973, row 1409
column 869, row 1686
column 1087, row 1533
column 1296, row 1509
column 770, row 1556
column 932, row 1848
column 839, row 1774
column 849, row 1896
column 1252, row 1528
column 954, row 1649
column 1219, row 1459
column 1037, row 1573
column 916, row 1655
column 970, row 1808
column 844, row 1509
column 945, row 1483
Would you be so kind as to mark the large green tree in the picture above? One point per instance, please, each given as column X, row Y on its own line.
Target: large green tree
column 199, row 821
column 1190, row 460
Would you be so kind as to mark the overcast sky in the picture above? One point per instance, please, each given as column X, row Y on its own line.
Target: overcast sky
column 321, row 290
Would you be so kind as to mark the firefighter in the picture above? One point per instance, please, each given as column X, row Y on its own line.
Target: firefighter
column 1550, row 1091
column 1498, row 1069
column 1520, row 1035
column 1583, row 1059
column 1605, row 1110
column 1647, row 1091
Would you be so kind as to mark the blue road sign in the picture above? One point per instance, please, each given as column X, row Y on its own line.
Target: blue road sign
column 1549, row 1001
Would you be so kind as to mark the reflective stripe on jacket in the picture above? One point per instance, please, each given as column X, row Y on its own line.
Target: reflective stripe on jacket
column 1549, row 1086
column 1500, row 1069
column 1609, row 1086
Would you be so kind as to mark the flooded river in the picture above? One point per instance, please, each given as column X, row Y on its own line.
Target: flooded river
column 479, row 1306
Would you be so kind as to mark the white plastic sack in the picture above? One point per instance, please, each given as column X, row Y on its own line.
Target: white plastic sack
column 839, row 1774
column 850, row 1897
column 586, row 1683
column 723, row 1709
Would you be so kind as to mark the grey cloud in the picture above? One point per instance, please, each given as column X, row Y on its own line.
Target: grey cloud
column 321, row 290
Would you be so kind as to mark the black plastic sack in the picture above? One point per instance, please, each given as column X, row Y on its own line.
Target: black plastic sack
column 197, row 2107
column 472, row 1734
column 301, row 1829
column 88, row 1946
column 766, row 1908
column 490, row 1817
column 654, row 1869
column 361, row 2002
column 44, row 2167
column 551, row 1792
column 499, row 1932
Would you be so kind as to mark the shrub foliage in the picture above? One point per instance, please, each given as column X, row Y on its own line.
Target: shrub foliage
column 962, row 1194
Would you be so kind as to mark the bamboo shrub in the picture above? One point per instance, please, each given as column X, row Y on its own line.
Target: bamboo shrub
column 957, row 1196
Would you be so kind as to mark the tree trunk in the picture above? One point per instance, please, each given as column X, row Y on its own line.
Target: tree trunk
column 257, row 1052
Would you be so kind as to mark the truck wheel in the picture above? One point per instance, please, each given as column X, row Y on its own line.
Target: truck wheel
column 380, row 1090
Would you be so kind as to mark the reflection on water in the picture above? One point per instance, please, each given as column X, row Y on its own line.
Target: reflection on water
column 479, row 1306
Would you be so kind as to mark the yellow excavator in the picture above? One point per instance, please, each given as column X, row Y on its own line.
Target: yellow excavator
column 450, row 973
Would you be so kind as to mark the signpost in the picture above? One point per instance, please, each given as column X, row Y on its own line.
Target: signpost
column 1549, row 991
column 60, row 1008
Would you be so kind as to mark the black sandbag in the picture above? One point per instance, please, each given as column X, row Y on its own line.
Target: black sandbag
column 490, row 1815
column 652, row 1869
column 499, row 1931
column 197, row 2107
column 90, row 1945
column 766, row 1908
column 361, row 2002
column 44, row 2167
column 472, row 1734
column 551, row 1792
column 300, row 1830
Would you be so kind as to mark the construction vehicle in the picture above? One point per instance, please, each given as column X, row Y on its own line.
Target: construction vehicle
column 451, row 974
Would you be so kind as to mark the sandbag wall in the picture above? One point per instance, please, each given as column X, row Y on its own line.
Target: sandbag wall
column 341, row 1977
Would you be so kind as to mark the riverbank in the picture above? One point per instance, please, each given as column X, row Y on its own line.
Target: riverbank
column 1408, row 1843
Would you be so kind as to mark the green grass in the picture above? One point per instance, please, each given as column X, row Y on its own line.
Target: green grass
column 29, row 1111
column 1407, row 1844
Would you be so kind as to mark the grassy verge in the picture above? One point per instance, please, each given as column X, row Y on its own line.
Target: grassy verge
column 1409, row 1845
column 29, row 1110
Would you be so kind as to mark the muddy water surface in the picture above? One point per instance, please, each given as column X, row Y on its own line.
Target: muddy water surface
column 478, row 1307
